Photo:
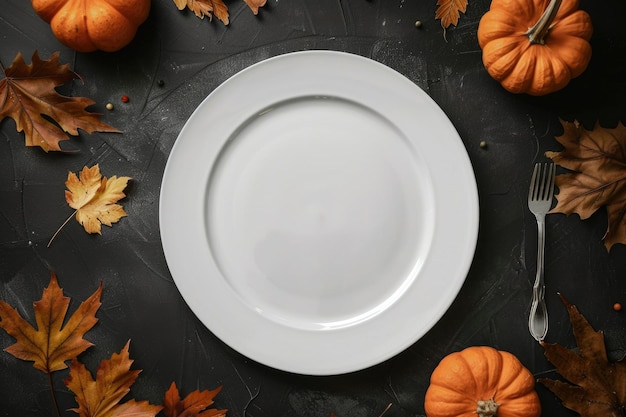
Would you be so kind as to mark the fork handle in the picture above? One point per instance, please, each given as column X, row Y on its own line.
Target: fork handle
column 538, row 318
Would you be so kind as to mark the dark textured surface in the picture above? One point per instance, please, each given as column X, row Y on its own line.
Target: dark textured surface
column 192, row 57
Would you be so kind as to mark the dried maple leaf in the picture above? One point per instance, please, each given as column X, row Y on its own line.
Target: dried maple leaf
column 195, row 403
column 52, row 343
column 100, row 397
column 203, row 8
column 449, row 11
column 255, row 4
column 597, row 161
column 215, row 8
column 598, row 387
column 94, row 198
column 28, row 96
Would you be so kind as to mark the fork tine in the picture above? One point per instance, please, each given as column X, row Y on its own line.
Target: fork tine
column 552, row 177
column 532, row 191
column 542, row 182
column 546, row 187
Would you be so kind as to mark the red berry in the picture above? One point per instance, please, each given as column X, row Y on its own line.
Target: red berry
column 125, row 99
column 617, row 307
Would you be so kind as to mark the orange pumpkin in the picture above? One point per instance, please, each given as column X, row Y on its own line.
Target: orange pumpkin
column 481, row 381
column 89, row 25
column 535, row 46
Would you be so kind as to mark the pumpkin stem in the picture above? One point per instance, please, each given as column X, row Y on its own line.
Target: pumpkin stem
column 538, row 32
column 486, row 408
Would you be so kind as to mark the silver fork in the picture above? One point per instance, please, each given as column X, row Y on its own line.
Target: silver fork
column 539, row 202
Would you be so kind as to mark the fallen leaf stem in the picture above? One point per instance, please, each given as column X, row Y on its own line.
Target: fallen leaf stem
column 54, row 397
column 61, row 227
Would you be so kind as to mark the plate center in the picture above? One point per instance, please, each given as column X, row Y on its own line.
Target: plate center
column 315, row 213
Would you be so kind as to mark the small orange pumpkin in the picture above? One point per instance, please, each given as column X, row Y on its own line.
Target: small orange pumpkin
column 535, row 47
column 481, row 381
column 89, row 25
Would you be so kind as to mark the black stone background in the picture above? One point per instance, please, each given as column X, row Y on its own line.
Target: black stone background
column 192, row 57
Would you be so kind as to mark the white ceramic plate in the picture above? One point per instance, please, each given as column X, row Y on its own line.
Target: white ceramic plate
column 319, row 212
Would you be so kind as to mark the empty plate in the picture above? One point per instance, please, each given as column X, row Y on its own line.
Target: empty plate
column 319, row 212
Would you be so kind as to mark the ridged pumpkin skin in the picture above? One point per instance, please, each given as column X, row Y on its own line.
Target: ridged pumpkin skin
column 90, row 25
column 534, row 68
column 481, row 373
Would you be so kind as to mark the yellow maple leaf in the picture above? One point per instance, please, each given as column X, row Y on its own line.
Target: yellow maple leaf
column 94, row 199
column 51, row 343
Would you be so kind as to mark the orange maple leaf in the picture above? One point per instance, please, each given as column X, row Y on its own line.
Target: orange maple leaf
column 100, row 397
column 203, row 8
column 449, row 11
column 215, row 8
column 596, row 178
column 94, row 199
column 51, row 344
column 255, row 4
column 28, row 96
column 195, row 403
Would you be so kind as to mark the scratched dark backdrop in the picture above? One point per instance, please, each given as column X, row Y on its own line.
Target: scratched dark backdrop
column 192, row 57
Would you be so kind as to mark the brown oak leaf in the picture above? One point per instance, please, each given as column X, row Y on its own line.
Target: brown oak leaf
column 28, row 96
column 597, row 387
column 195, row 404
column 51, row 343
column 449, row 11
column 215, row 8
column 100, row 397
column 94, row 199
column 596, row 160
